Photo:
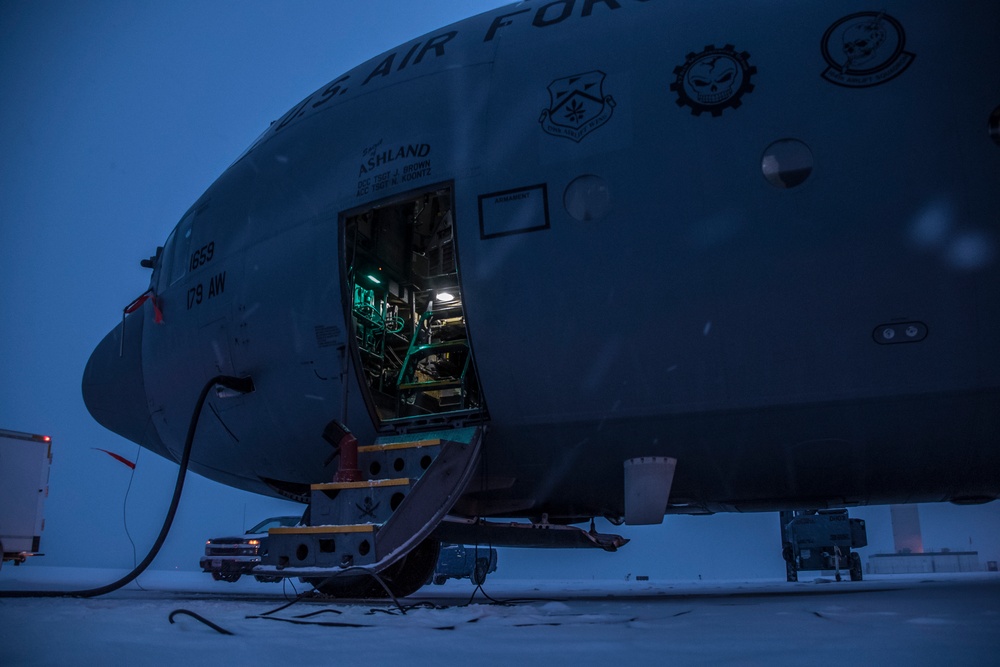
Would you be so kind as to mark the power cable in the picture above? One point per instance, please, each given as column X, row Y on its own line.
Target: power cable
column 220, row 630
column 241, row 385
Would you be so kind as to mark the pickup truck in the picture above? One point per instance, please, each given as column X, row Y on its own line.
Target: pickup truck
column 228, row 558
column 458, row 561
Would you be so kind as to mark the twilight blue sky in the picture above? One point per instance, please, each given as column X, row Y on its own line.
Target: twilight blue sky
column 114, row 117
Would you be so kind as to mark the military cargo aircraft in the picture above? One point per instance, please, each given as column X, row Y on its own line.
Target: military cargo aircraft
column 590, row 258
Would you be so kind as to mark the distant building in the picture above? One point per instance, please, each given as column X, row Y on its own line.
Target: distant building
column 906, row 529
column 928, row 562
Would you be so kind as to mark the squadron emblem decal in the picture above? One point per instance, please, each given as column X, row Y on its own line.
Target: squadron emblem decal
column 577, row 106
column 713, row 80
column 865, row 49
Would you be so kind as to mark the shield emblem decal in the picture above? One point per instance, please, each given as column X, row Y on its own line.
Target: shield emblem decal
column 577, row 106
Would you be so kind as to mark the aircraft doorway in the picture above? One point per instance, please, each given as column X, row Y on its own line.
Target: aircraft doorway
column 411, row 343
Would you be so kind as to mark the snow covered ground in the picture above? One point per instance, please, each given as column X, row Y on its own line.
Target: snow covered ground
column 918, row 620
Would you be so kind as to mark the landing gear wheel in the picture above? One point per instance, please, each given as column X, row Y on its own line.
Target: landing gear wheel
column 403, row 577
column 791, row 572
column 220, row 576
column 855, row 560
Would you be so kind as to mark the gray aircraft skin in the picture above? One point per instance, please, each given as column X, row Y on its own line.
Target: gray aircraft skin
column 760, row 238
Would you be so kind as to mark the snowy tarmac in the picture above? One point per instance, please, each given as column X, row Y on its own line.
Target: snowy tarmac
column 942, row 619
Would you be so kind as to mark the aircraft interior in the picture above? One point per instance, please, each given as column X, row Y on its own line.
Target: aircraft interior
column 406, row 308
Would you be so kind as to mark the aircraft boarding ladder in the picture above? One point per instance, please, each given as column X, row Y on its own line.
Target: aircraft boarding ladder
column 411, row 484
column 435, row 338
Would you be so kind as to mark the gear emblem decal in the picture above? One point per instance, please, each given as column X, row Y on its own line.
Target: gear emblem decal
column 714, row 80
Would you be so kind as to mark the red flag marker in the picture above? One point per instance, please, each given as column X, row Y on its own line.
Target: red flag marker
column 117, row 457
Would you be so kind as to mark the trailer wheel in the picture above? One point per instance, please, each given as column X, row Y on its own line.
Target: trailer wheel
column 480, row 571
column 791, row 572
column 856, row 573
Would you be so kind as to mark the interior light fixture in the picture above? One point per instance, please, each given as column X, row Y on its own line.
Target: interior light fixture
column 374, row 279
column 445, row 297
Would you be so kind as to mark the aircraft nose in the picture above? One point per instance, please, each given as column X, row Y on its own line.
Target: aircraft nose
column 113, row 387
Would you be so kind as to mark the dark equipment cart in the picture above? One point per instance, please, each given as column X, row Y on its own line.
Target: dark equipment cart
column 822, row 540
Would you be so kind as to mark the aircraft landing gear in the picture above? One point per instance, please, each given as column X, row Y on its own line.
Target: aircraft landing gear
column 791, row 571
column 855, row 562
column 403, row 577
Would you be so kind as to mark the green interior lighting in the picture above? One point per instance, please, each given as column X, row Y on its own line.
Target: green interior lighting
column 374, row 279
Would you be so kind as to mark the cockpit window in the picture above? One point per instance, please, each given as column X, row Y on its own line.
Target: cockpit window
column 162, row 272
column 173, row 262
column 182, row 247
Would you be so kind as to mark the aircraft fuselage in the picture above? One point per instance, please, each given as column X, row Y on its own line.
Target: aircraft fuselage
column 762, row 240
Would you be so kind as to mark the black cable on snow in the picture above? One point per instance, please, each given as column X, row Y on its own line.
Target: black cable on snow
column 220, row 630
column 243, row 385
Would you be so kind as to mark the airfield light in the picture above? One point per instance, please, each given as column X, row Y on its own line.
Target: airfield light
column 445, row 297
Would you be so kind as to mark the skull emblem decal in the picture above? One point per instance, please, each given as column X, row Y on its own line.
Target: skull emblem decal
column 861, row 43
column 865, row 49
column 713, row 80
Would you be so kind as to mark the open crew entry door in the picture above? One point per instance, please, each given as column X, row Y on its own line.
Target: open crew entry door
column 411, row 344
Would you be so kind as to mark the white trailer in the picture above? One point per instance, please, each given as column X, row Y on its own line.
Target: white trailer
column 24, row 483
